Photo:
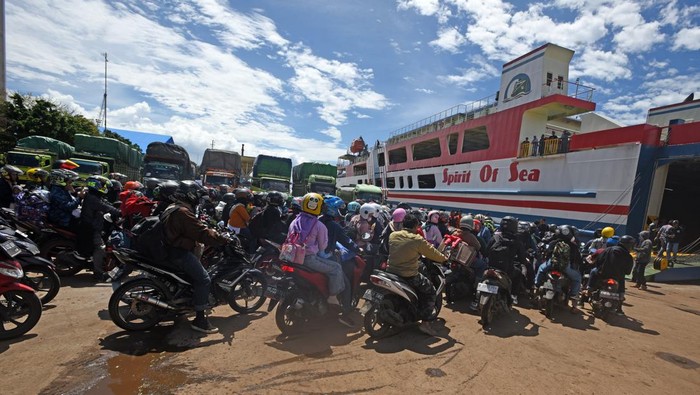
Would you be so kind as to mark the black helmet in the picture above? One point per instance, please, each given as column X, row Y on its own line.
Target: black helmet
column 229, row 198
column 523, row 227
column 565, row 232
column 627, row 242
column 275, row 198
column 552, row 228
column 189, row 192
column 151, row 183
column 404, row 206
column 243, row 194
column 509, row 225
column 165, row 190
column 116, row 185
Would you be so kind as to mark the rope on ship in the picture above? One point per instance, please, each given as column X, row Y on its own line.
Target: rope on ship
column 617, row 200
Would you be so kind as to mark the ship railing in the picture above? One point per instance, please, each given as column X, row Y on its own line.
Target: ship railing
column 550, row 145
column 449, row 117
column 572, row 89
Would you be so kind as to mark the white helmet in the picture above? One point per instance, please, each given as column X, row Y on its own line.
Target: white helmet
column 368, row 210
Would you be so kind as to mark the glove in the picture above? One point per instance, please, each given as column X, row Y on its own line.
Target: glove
column 76, row 213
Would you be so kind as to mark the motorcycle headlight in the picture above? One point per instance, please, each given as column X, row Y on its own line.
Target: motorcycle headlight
column 11, row 269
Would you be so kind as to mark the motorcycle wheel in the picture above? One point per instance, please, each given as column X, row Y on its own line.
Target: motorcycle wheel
column 43, row 280
column 487, row 312
column 19, row 313
column 374, row 327
column 132, row 314
column 64, row 267
column 248, row 294
column 289, row 320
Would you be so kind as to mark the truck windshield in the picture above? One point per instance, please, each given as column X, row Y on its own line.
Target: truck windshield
column 87, row 167
column 218, row 180
column 367, row 196
column 272, row 185
column 321, row 187
column 22, row 159
column 161, row 170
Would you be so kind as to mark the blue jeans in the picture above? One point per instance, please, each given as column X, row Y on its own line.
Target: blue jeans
column 573, row 275
column 671, row 247
column 201, row 282
column 638, row 274
column 332, row 269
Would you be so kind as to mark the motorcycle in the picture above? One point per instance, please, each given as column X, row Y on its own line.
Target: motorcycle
column 163, row 292
column 39, row 273
column 20, row 307
column 55, row 243
column 493, row 295
column 392, row 304
column 303, row 294
column 554, row 290
column 606, row 299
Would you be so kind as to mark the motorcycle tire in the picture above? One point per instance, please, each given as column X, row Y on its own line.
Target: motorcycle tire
column 248, row 293
column 43, row 280
column 15, row 305
column 289, row 319
column 374, row 327
column 135, row 315
column 488, row 312
column 64, row 267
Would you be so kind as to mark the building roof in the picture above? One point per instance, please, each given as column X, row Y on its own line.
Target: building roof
column 142, row 139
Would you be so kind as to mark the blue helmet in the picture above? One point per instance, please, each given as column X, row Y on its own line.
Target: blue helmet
column 332, row 205
column 354, row 207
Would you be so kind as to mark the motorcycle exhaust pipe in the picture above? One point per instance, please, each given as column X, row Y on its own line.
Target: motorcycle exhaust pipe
column 153, row 301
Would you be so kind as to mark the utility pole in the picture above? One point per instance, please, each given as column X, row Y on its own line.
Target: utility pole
column 104, row 99
column 212, row 144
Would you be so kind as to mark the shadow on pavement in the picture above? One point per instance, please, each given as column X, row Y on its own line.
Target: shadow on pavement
column 5, row 344
column 630, row 323
column 318, row 336
column 411, row 339
column 512, row 324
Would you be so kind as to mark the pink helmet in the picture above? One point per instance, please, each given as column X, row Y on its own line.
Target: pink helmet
column 398, row 215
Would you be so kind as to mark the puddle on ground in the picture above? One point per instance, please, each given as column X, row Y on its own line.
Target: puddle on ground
column 435, row 372
column 678, row 360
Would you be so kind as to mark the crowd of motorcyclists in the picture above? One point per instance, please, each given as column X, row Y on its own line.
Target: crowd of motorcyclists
column 395, row 239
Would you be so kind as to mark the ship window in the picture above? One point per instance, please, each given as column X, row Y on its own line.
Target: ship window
column 560, row 82
column 426, row 149
column 398, row 155
column 549, row 79
column 475, row 139
column 426, row 181
column 391, row 182
column 401, row 182
column 378, row 182
column 380, row 160
column 452, row 140
column 359, row 181
column 410, row 182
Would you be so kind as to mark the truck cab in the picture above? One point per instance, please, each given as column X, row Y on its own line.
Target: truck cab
column 321, row 184
column 25, row 160
column 87, row 168
column 363, row 192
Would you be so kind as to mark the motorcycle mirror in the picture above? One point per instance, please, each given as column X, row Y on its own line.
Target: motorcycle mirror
column 108, row 217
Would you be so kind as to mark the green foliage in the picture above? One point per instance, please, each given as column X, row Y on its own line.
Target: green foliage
column 25, row 115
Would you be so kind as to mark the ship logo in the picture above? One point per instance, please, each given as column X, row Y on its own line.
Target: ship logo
column 518, row 86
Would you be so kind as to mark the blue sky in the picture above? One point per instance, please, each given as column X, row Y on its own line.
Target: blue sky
column 303, row 78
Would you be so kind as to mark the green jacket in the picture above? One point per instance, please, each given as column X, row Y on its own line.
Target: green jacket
column 405, row 250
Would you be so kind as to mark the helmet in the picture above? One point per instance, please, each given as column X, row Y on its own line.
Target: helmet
column 477, row 225
column 133, row 185
column 509, row 225
column 332, row 205
column 398, row 215
column 228, row 198
column 98, row 184
column 431, row 214
column 627, row 242
column 151, row 183
column 37, row 174
column 223, row 188
column 10, row 172
column 607, row 232
column 523, row 227
column 259, row 198
column 368, row 210
column 243, row 194
column 566, row 232
column 613, row 241
column 116, row 185
column 296, row 203
column 404, row 206
column 165, row 190
column 275, row 198
column 466, row 223
column 444, row 217
column 353, row 207
column 674, row 222
column 189, row 191
column 312, row 203
column 644, row 235
column 552, row 228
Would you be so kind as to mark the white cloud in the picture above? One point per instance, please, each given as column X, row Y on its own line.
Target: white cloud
column 604, row 65
column 688, row 39
column 449, row 39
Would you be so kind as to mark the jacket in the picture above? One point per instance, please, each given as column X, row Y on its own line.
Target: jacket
column 61, row 206
column 615, row 262
column 406, row 249
column 93, row 210
column 183, row 230
column 239, row 217
column 336, row 235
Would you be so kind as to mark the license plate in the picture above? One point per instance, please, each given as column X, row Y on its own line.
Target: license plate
column 609, row 295
column 549, row 295
column 10, row 248
column 372, row 296
column 547, row 285
column 488, row 288
column 273, row 292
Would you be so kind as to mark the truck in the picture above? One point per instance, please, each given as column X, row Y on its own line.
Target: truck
column 220, row 167
column 313, row 177
column 165, row 161
column 119, row 156
column 37, row 151
column 87, row 168
column 364, row 192
column 271, row 173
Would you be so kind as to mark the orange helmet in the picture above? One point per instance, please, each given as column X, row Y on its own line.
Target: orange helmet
column 131, row 185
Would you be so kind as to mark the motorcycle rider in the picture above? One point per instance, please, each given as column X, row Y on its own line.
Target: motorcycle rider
column 240, row 217
column 92, row 212
column 504, row 249
column 600, row 242
column 8, row 178
column 182, row 232
column 271, row 225
column 396, row 224
column 565, row 257
column 229, row 199
column 352, row 210
column 431, row 229
column 614, row 262
column 405, row 250
column 62, row 203
column 39, row 178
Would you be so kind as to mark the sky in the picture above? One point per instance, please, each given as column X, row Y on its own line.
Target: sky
column 303, row 78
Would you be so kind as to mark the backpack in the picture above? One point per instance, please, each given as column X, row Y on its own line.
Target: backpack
column 256, row 225
column 150, row 236
column 561, row 256
column 501, row 253
column 33, row 207
column 137, row 205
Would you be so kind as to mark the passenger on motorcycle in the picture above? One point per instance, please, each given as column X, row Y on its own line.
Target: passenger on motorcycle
column 162, row 194
column 405, row 250
column 92, row 212
column 352, row 210
column 62, row 203
column 239, row 217
column 294, row 210
column 431, row 229
column 599, row 242
column 504, row 250
column 365, row 222
column 39, row 178
column 396, row 224
column 182, row 231
column 270, row 225
column 484, row 231
column 614, row 262
column 566, row 258
column 8, row 178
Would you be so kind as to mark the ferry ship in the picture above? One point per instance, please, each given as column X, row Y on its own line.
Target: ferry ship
column 533, row 150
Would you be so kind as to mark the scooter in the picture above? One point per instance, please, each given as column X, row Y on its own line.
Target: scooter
column 554, row 290
column 20, row 307
column 606, row 299
column 493, row 295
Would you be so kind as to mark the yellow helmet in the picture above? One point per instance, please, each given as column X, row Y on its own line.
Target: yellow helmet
column 312, row 203
column 608, row 232
column 37, row 174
